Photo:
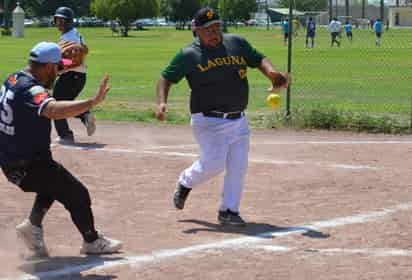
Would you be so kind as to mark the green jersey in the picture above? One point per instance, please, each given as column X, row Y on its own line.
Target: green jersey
column 217, row 77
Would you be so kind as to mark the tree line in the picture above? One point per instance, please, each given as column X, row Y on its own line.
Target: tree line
column 125, row 11
column 179, row 11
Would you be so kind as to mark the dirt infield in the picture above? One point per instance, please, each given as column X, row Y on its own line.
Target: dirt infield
column 319, row 205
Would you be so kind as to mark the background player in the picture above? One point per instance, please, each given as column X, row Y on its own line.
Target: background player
column 348, row 30
column 285, row 31
column 72, row 81
column 25, row 157
column 215, row 66
column 377, row 27
column 295, row 27
column 310, row 32
column 334, row 28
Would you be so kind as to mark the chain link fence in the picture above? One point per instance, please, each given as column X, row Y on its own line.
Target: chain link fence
column 362, row 82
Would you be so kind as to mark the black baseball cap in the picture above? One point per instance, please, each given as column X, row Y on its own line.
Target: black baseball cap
column 206, row 16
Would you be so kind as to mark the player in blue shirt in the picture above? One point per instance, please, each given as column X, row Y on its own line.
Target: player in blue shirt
column 348, row 31
column 310, row 32
column 285, row 31
column 377, row 27
column 26, row 108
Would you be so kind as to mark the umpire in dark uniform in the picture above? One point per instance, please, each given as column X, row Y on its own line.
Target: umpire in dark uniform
column 72, row 81
column 25, row 157
column 215, row 66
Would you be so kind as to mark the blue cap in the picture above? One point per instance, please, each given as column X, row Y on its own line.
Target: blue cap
column 47, row 52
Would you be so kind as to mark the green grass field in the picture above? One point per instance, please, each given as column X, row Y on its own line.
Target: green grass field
column 356, row 78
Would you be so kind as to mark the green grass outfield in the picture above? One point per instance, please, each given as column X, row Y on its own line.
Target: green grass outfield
column 356, row 77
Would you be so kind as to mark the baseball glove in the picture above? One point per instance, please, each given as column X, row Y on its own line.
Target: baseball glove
column 73, row 51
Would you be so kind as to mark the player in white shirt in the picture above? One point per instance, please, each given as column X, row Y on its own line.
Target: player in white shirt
column 335, row 29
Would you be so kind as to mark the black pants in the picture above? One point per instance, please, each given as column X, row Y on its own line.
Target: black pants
column 334, row 36
column 68, row 87
column 51, row 181
column 285, row 37
column 312, row 37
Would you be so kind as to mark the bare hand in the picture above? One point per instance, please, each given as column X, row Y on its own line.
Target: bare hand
column 161, row 111
column 279, row 81
column 102, row 91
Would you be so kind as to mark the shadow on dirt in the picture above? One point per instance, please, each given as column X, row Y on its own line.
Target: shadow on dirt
column 261, row 230
column 67, row 267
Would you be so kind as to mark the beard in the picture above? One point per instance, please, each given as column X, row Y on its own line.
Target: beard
column 212, row 44
column 50, row 81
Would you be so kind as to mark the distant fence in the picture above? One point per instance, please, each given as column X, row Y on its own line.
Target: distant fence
column 363, row 76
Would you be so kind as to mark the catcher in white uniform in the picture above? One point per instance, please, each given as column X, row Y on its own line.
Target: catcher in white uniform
column 215, row 66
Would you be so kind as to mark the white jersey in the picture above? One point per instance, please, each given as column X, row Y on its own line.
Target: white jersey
column 74, row 36
column 334, row 26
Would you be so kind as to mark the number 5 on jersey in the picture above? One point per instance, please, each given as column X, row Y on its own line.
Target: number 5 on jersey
column 6, row 112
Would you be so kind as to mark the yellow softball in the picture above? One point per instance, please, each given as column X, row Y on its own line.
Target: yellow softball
column 273, row 101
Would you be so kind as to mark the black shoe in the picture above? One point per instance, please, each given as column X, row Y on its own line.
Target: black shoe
column 231, row 218
column 180, row 196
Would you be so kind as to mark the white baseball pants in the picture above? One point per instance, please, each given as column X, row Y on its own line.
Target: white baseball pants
column 224, row 146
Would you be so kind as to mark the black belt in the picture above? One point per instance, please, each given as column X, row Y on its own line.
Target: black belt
column 17, row 163
column 223, row 115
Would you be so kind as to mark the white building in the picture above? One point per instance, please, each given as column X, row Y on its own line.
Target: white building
column 400, row 16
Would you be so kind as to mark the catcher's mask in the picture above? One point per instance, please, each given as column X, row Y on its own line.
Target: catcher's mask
column 67, row 14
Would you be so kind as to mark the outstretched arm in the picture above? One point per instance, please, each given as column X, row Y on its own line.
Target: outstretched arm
column 65, row 109
column 162, row 91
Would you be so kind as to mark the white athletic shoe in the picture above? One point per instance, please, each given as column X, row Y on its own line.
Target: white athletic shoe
column 90, row 123
column 101, row 245
column 32, row 236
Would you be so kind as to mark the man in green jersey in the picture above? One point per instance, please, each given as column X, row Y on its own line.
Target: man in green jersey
column 215, row 66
